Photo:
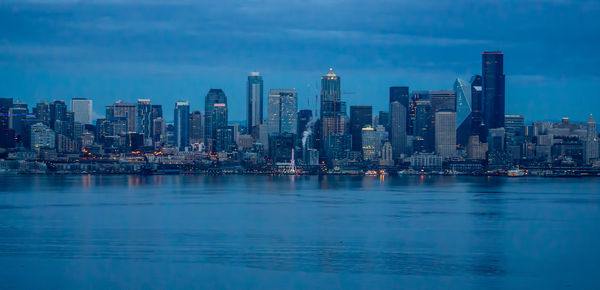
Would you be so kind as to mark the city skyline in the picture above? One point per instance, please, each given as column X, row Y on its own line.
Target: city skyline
column 92, row 50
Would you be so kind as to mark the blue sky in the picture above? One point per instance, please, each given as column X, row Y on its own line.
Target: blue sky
column 169, row 50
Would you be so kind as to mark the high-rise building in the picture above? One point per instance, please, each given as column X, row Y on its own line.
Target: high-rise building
column 42, row 112
column 401, row 95
column 424, row 124
column 416, row 96
column 17, row 115
column 514, row 125
column 304, row 117
column 159, row 134
column 397, row 132
column 477, row 126
column 475, row 149
column 215, row 115
column 591, row 143
column 196, row 127
column 182, row 121
column 370, row 143
column 254, row 101
column 5, row 104
column 443, row 100
column 157, row 111
column 493, row 89
column 144, row 120
column 282, row 110
column 128, row 111
column 445, row 133
column 333, row 110
column 360, row 117
column 42, row 137
column 384, row 120
column 496, row 139
column 82, row 108
column 463, row 112
column 387, row 158
column 58, row 112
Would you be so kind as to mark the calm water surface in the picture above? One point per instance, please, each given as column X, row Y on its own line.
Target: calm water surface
column 262, row 232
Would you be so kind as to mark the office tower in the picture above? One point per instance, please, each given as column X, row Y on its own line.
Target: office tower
column 42, row 112
column 5, row 104
column 493, row 89
column 445, row 133
column 82, row 108
column 496, row 139
column 159, row 135
column 224, row 139
column 424, row 126
column 463, row 112
column 128, row 111
column 443, row 101
column 370, row 143
column 215, row 115
column 144, row 120
column 254, row 104
column 245, row 142
column 514, row 125
column 387, row 158
column 397, row 132
column 280, row 146
column 58, row 112
column 196, row 127
column 360, row 117
column 282, row 110
column 477, row 126
column 17, row 115
column 401, row 95
column 332, row 109
column 384, row 119
column 475, row 149
column 304, row 117
column 591, row 142
column 182, row 121
column 157, row 111
column 42, row 137
column 415, row 97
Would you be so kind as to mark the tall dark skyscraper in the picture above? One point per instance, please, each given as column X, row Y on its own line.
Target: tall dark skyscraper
column 254, row 102
column 144, row 120
column 58, row 112
column 182, row 124
column 333, row 110
column 360, row 117
column 477, row 107
column 464, row 110
column 401, row 95
column 304, row 116
column 215, row 115
column 5, row 104
column 493, row 89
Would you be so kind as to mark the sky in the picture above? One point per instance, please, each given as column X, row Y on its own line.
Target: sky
column 170, row 50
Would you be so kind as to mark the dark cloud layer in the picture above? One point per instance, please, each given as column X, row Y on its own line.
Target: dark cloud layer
column 179, row 49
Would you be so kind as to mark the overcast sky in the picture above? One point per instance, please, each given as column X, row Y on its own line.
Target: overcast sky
column 168, row 50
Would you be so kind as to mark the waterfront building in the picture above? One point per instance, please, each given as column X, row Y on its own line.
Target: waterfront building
column 282, row 110
column 445, row 134
column 181, row 117
column 360, row 117
column 493, row 89
column 42, row 137
column 82, row 108
column 254, row 101
column 280, row 146
column 426, row 162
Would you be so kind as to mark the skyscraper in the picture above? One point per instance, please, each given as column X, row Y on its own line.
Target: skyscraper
column 477, row 127
column 591, row 143
column 360, row 117
column 196, row 127
column 401, row 95
column 215, row 115
column 443, row 100
column 445, row 133
column 42, row 113
column 424, row 124
column 5, row 104
column 58, row 112
column 463, row 111
column 370, row 143
column 397, row 132
column 332, row 107
column 254, row 101
column 415, row 97
column 304, row 116
column 282, row 110
column 493, row 89
column 144, row 120
column 128, row 111
column 182, row 119
column 82, row 108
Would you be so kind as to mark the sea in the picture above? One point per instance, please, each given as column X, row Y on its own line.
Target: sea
column 298, row 232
